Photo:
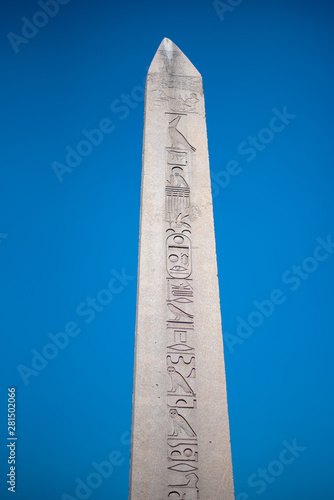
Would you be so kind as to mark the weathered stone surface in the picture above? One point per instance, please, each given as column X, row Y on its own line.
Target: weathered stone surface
column 180, row 430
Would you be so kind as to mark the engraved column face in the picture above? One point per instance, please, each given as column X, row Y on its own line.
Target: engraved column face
column 178, row 255
column 180, row 435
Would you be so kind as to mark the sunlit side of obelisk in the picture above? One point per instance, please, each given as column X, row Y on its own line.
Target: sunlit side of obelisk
column 180, row 430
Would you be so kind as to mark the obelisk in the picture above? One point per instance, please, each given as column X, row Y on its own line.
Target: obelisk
column 180, row 430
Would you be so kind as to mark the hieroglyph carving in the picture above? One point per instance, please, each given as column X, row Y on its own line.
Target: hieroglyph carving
column 177, row 93
column 182, row 443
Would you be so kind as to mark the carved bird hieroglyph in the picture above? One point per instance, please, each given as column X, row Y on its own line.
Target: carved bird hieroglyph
column 177, row 138
column 178, row 312
column 180, row 424
column 178, row 381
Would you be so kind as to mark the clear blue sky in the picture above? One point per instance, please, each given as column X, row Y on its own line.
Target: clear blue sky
column 70, row 220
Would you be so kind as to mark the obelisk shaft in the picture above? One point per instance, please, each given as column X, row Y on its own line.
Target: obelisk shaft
column 180, row 431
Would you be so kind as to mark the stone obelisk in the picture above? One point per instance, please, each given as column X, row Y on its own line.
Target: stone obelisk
column 180, row 431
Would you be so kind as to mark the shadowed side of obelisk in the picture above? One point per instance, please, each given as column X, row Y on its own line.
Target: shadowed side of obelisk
column 180, row 433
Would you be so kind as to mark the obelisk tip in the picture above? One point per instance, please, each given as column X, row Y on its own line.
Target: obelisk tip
column 171, row 60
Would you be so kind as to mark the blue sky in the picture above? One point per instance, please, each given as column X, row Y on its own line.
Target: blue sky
column 72, row 115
